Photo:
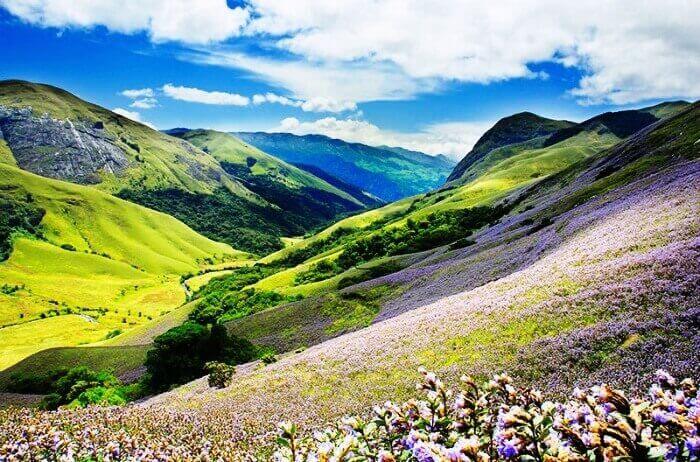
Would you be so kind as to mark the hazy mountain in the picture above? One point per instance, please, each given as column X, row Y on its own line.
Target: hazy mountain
column 387, row 173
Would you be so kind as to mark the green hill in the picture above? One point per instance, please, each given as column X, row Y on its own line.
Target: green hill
column 93, row 264
column 50, row 132
column 53, row 133
column 381, row 242
column 308, row 200
column 509, row 130
column 387, row 173
column 590, row 275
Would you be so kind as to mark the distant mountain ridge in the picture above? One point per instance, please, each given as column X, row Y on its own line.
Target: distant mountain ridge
column 387, row 173
column 53, row 133
column 528, row 130
column 311, row 200
column 509, row 130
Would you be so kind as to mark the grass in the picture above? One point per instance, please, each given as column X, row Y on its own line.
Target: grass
column 496, row 175
column 123, row 272
column 156, row 160
column 6, row 156
column 311, row 321
column 117, row 360
column 227, row 148
column 145, row 333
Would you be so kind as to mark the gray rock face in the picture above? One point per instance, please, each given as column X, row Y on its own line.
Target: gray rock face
column 62, row 149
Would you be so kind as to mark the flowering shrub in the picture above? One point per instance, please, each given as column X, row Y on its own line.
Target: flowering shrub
column 220, row 374
column 497, row 421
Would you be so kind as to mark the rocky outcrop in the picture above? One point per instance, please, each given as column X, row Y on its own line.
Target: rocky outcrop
column 69, row 150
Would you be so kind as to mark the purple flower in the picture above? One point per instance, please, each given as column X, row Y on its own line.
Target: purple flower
column 660, row 416
column 671, row 453
column 693, row 445
column 664, row 378
column 410, row 440
column 423, row 454
column 508, row 449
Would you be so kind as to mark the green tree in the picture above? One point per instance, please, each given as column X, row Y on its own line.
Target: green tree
column 180, row 354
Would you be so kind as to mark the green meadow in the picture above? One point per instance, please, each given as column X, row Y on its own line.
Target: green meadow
column 101, row 267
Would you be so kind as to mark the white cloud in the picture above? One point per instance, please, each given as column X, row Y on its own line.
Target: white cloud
column 273, row 98
column 178, row 20
column 138, row 93
column 354, row 82
column 321, row 104
column 317, row 104
column 144, row 103
column 195, row 95
column 453, row 139
column 133, row 115
column 367, row 50
column 630, row 50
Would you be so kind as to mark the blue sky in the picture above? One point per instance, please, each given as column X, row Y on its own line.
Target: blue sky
column 425, row 78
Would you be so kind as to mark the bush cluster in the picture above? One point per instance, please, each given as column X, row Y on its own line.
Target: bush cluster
column 224, row 299
column 81, row 386
column 497, row 421
column 181, row 354
column 221, row 216
column 317, row 247
column 220, row 374
column 318, row 272
column 17, row 215
column 438, row 228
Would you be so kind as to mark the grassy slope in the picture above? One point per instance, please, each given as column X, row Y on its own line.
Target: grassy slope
column 509, row 130
column 6, row 156
column 127, row 262
column 161, row 161
column 497, row 178
column 119, row 360
column 227, row 148
column 610, row 296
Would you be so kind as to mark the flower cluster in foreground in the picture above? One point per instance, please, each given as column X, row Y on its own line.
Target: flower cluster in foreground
column 496, row 421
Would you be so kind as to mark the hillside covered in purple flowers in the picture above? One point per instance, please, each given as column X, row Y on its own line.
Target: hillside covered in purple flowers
column 577, row 265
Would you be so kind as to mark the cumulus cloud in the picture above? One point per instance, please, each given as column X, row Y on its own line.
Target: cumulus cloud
column 317, row 104
column 138, row 93
column 163, row 20
column 196, row 95
column 133, row 115
column 143, row 98
column 321, row 104
column 144, row 103
column 453, row 139
column 629, row 50
column 339, row 81
column 367, row 50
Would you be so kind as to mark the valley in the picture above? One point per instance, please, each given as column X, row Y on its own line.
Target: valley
column 565, row 253
column 349, row 231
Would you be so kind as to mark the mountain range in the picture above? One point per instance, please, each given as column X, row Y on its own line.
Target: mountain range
column 387, row 173
column 564, row 252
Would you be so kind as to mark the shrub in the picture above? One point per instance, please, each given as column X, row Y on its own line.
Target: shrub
column 180, row 354
column 497, row 421
column 113, row 333
column 268, row 358
column 320, row 271
column 436, row 229
column 220, row 374
column 17, row 215
column 8, row 289
column 81, row 386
